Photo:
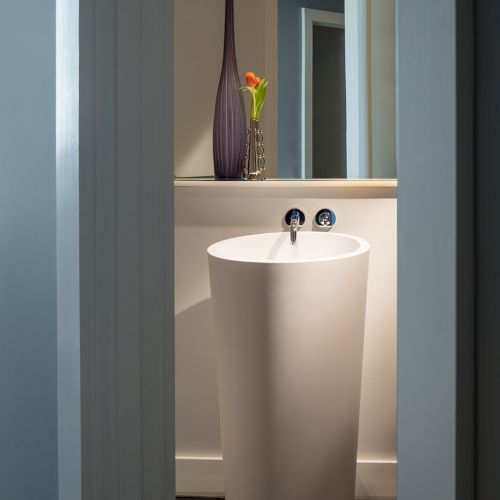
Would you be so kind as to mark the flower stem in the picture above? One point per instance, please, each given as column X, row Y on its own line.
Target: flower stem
column 253, row 113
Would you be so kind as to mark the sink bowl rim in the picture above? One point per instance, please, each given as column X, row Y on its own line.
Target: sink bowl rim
column 363, row 247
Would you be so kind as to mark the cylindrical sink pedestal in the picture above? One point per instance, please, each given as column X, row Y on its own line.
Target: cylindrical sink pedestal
column 289, row 326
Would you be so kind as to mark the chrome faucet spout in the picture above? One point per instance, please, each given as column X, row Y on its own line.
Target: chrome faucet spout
column 294, row 218
column 293, row 233
column 294, row 225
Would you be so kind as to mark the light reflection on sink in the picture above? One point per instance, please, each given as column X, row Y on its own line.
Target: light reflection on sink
column 276, row 248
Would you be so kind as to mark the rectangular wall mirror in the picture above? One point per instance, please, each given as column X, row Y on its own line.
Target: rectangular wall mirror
column 330, row 110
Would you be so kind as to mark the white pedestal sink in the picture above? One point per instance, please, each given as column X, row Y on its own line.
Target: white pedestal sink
column 289, row 324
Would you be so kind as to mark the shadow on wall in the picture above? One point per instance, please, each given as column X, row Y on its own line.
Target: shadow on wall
column 197, row 431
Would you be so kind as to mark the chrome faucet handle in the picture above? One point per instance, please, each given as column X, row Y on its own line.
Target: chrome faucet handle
column 325, row 218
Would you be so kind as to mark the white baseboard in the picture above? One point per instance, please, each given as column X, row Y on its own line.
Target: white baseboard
column 203, row 476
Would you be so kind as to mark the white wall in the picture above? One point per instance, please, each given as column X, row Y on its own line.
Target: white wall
column 207, row 212
column 199, row 39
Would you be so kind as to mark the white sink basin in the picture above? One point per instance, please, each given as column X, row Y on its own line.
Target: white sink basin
column 289, row 323
column 275, row 248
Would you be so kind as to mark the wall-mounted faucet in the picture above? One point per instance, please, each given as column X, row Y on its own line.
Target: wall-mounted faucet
column 294, row 224
column 294, row 218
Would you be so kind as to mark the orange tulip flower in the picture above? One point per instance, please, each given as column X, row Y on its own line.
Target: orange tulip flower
column 257, row 88
column 251, row 79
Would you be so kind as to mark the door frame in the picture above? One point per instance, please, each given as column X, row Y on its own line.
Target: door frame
column 311, row 18
column 355, row 23
column 125, row 128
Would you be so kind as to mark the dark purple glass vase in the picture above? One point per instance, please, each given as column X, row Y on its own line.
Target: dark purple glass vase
column 229, row 139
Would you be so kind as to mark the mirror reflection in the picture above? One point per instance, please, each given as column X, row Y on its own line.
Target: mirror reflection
column 330, row 106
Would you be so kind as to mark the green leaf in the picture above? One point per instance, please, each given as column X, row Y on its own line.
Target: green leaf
column 260, row 97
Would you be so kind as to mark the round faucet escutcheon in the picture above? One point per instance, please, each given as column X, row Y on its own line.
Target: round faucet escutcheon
column 325, row 218
column 294, row 212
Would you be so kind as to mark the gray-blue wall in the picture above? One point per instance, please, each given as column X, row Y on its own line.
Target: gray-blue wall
column 435, row 253
column 289, row 84
column 28, row 412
